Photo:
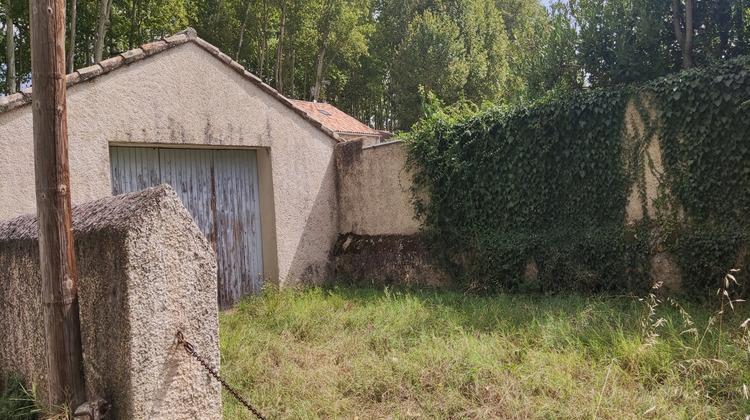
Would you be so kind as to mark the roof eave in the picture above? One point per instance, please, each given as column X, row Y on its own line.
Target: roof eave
column 352, row 133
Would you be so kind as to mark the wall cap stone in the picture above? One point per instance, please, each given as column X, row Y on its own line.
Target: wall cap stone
column 108, row 212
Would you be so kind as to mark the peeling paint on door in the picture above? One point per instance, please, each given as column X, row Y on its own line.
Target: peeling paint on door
column 220, row 190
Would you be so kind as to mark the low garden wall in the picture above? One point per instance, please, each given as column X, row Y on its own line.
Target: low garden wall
column 379, row 236
column 145, row 271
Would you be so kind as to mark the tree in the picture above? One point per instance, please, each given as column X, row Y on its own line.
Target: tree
column 101, row 28
column 485, row 42
column 10, row 50
column 70, row 60
column 622, row 41
column 543, row 57
column 280, row 51
column 683, row 30
column 433, row 57
column 324, row 33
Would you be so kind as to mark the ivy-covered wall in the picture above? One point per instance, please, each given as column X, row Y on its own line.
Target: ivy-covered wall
column 586, row 190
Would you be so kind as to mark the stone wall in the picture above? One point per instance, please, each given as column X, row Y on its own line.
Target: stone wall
column 379, row 237
column 145, row 271
column 374, row 196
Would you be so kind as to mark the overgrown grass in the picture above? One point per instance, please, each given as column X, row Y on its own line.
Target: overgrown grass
column 16, row 402
column 349, row 352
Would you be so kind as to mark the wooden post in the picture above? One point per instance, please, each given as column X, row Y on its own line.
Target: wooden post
column 56, row 257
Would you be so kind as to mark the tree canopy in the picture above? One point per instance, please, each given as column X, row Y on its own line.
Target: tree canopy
column 379, row 59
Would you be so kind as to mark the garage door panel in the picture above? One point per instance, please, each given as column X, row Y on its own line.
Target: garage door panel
column 238, row 224
column 189, row 173
column 219, row 188
column 133, row 169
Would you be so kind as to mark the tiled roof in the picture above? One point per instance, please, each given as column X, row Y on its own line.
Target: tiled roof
column 23, row 97
column 335, row 119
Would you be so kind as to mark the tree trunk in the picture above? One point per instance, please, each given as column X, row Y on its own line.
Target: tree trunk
column 242, row 31
column 72, row 48
column 264, row 40
column 319, row 74
column 684, row 36
column 280, row 52
column 10, row 48
column 59, row 291
column 322, row 51
column 134, row 22
column 101, row 29
column 292, row 56
column 88, row 49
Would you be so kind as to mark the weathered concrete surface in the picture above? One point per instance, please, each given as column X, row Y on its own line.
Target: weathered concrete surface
column 379, row 237
column 374, row 196
column 144, row 272
column 388, row 259
column 665, row 270
column 188, row 94
column 367, row 140
column 645, row 189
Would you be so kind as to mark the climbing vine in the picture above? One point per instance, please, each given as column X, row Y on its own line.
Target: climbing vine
column 705, row 137
column 534, row 196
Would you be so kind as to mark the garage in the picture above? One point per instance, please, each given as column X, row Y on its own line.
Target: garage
column 220, row 190
column 180, row 112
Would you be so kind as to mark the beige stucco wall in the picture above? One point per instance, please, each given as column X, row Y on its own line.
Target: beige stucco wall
column 186, row 97
column 380, row 240
column 374, row 196
column 145, row 271
column 367, row 140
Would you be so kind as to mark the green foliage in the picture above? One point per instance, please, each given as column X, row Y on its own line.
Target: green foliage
column 705, row 137
column 541, row 180
column 704, row 132
column 456, row 50
column 544, row 57
column 623, row 41
column 376, row 52
column 16, row 403
column 543, row 187
column 431, row 56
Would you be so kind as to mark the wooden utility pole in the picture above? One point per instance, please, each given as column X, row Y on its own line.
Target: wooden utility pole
column 56, row 257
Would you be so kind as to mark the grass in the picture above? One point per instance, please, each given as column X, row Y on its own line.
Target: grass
column 16, row 402
column 367, row 353
column 363, row 353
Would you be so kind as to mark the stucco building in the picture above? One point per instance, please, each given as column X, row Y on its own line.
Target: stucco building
column 257, row 173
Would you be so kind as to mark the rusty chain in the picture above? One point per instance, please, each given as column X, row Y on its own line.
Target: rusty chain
column 189, row 348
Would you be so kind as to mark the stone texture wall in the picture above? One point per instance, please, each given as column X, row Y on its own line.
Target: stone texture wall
column 145, row 271
column 374, row 196
column 388, row 259
column 379, row 237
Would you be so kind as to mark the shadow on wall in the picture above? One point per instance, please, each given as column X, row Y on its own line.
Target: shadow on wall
column 312, row 263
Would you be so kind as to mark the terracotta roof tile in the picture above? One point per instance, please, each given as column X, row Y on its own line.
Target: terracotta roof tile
column 335, row 119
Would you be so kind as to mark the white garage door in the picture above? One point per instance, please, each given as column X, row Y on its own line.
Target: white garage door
column 220, row 190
